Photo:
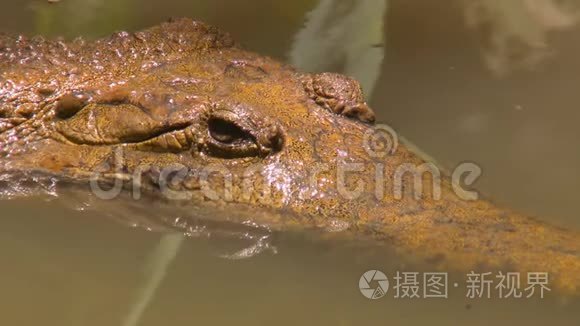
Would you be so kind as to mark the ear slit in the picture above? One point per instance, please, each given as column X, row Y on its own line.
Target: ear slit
column 68, row 105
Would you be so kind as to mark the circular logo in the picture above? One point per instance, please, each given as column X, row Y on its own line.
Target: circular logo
column 374, row 278
column 380, row 141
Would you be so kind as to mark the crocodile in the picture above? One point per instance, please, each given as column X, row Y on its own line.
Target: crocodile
column 183, row 112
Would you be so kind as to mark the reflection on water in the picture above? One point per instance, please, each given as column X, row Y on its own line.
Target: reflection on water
column 517, row 31
column 68, row 268
column 65, row 263
column 343, row 35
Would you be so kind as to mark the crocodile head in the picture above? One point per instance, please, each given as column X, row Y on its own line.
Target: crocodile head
column 180, row 108
column 182, row 112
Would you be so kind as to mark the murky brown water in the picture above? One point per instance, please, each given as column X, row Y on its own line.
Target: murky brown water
column 501, row 93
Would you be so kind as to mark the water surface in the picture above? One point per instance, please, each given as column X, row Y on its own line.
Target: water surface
column 484, row 81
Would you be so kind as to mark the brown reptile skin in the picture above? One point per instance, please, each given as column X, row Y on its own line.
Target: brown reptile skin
column 185, row 93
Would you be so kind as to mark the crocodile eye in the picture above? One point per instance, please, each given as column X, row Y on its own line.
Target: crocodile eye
column 228, row 140
column 227, row 132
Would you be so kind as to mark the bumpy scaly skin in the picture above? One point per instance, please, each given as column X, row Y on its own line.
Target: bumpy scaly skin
column 183, row 93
